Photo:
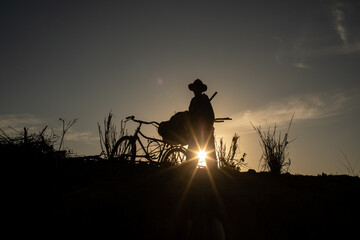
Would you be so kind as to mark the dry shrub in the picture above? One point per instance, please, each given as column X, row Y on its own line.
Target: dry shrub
column 24, row 146
column 352, row 169
column 228, row 159
column 110, row 135
column 275, row 157
column 42, row 141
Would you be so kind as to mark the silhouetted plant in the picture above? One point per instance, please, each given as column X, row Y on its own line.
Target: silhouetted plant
column 351, row 169
column 24, row 142
column 110, row 135
column 24, row 137
column 275, row 157
column 65, row 128
column 228, row 159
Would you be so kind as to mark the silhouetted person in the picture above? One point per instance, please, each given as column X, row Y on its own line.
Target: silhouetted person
column 202, row 120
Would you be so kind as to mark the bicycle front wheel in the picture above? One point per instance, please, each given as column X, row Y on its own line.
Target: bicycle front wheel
column 175, row 156
column 124, row 149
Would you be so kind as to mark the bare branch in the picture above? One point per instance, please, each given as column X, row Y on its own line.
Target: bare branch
column 65, row 128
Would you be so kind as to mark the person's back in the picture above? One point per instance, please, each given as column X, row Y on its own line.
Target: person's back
column 201, row 111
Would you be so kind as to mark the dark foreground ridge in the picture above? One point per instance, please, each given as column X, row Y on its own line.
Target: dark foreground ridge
column 109, row 200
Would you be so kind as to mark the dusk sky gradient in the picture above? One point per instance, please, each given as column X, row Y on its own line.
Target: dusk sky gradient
column 267, row 60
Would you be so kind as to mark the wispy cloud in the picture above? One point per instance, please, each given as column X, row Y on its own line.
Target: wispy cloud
column 81, row 136
column 298, row 59
column 306, row 107
column 338, row 21
column 19, row 121
column 291, row 52
column 301, row 51
column 302, row 65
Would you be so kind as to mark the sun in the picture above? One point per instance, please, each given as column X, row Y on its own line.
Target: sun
column 202, row 156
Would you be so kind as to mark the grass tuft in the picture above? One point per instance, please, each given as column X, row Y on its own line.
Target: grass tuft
column 275, row 157
column 229, row 159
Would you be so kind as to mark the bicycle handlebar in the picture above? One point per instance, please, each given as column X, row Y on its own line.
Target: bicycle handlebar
column 140, row 121
column 130, row 118
column 217, row 120
column 221, row 119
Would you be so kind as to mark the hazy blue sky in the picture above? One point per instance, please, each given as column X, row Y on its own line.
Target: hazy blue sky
column 266, row 59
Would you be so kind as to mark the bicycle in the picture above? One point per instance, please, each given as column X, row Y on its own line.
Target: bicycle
column 154, row 151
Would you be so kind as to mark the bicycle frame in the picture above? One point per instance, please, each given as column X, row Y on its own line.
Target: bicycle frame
column 151, row 155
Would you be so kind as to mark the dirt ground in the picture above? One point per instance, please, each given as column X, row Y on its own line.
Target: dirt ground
column 114, row 201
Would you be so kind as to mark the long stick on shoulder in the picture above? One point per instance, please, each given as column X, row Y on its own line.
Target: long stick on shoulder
column 213, row 96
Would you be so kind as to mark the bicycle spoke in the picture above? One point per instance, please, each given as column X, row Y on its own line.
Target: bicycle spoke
column 175, row 156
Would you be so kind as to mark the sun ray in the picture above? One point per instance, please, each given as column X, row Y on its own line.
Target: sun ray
column 183, row 196
column 216, row 191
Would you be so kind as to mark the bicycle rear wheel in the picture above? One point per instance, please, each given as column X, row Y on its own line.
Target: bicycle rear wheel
column 174, row 156
column 124, row 149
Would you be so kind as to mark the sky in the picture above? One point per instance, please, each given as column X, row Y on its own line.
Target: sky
column 267, row 60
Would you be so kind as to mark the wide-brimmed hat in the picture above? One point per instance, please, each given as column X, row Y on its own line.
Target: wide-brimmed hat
column 197, row 85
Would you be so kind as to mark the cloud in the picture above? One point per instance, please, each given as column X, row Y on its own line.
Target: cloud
column 80, row 136
column 298, row 54
column 308, row 44
column 338, row 21
column 19, row 121
column 302, row 65
column 307, row 107
column 349, row 48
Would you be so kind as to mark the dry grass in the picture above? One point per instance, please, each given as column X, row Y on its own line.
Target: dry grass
column 352, row 169
column 275, row 157
column 229, row 159
column 110, row 135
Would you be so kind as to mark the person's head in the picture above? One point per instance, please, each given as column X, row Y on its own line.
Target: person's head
column 197, row 87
